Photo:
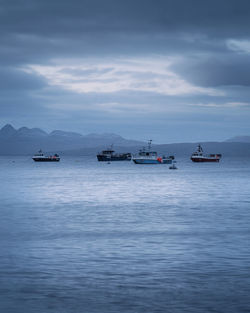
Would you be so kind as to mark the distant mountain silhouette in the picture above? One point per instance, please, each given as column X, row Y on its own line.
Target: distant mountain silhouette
column 26, row 141
column 29, row 140
column 62, row 133
column 239, row 139
column 227, row 149
column 7, row 131
column 33, row 132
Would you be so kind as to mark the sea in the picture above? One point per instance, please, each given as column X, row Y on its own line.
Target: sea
column 86, row 236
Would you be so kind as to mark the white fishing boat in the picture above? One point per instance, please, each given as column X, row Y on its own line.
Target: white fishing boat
column 146, row 156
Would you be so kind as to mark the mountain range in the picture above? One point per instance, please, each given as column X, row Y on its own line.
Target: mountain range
column 245, row 139
column 27, row 141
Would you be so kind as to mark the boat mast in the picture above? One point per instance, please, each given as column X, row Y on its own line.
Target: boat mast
column 111, row 149
column 149, row 144
column 200, row 149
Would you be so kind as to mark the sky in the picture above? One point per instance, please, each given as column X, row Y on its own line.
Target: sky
column 167, row 70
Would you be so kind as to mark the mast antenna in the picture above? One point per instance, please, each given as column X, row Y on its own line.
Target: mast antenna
column 149, row 144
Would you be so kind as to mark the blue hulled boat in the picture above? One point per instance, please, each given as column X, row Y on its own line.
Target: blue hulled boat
column 146, row 156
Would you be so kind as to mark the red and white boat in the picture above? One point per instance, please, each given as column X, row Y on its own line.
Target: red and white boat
column 198, row 156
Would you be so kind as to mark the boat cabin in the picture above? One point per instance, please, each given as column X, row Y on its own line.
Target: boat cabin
column 147, row 153
column 199, row 151
column 40, row 153
column 108, row 152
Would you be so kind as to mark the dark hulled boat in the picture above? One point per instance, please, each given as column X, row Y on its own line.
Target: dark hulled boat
column 110, row 155
column 40, row 157
column 198, row 156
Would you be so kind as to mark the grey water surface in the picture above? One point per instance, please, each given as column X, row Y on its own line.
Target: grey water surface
column 82, row 236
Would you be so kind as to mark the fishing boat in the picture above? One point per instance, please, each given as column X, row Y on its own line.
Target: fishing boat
column 146, row 156
column 40, row 157
column 110, row 155
column 198, row 156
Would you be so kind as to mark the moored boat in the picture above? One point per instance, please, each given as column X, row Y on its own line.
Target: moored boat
column 110, row 155
column 146, row 156
column 173, row 166
column 198, row 156
column 40, row 157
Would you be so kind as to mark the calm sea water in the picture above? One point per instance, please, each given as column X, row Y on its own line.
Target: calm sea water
column 82, row 236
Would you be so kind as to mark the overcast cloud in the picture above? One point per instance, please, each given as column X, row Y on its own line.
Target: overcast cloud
column 162, row 69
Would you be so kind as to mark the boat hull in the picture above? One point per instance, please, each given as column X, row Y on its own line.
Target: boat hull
column 103, row 158
column 46, row 160
column 199, row 160
column 147, row 161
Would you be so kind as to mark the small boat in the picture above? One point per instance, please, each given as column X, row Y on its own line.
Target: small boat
column 40, row 157
column 198, row 156
column 146, row 156
column 173, row 166
column 110, row 155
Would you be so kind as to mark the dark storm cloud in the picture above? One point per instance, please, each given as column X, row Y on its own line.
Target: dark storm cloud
column 39, row 29
column 64, row 17
column 215, row 70
column 13, row 79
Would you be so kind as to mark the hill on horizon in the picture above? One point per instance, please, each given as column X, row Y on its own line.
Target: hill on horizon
column 239, row 139
column 29, row 140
